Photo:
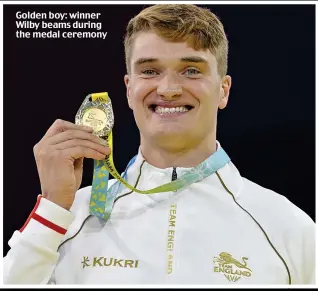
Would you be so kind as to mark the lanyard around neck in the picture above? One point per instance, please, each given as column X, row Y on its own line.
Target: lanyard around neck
column 96, row 111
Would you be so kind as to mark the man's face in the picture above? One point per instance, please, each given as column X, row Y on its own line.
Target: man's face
column 173, row 90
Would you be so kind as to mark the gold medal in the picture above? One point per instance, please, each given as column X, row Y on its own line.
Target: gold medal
column 96, row 111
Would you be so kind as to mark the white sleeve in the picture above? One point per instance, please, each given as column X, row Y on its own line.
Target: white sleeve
column 33, row 249
column 308, row 264
column 301, row 245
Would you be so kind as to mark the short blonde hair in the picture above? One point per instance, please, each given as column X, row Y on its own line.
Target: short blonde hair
column 199, row 27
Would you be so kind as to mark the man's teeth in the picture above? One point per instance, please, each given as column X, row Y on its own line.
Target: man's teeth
column 161, row 110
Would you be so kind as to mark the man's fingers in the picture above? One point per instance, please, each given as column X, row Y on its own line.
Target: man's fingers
column 62, row 125
column 83, row 152
column 82, row 143
column 74, row 134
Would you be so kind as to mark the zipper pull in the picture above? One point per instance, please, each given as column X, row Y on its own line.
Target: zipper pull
column 174, row 175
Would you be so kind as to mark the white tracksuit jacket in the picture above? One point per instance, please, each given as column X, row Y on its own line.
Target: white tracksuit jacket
column 203, row 234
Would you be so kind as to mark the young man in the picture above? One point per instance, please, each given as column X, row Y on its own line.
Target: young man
column 219, row 229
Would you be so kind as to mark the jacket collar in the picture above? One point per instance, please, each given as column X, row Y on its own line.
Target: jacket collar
column 229, row 174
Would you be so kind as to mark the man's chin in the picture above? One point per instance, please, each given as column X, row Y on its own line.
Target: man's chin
column 170, row 134
column 170, row 131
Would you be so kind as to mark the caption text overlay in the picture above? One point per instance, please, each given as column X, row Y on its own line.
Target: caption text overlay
column 52, row 25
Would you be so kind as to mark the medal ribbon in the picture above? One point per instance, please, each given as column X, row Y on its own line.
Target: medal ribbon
column 102, row 198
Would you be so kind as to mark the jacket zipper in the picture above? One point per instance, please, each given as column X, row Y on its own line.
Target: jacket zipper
column 174, row 175
column 172, row 228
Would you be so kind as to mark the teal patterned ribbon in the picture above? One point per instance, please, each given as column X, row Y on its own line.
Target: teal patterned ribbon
column 103, row 198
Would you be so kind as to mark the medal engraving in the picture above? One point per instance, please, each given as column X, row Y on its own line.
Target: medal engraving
column 95, row 118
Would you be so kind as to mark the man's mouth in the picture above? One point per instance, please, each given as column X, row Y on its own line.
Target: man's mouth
column 170, row 110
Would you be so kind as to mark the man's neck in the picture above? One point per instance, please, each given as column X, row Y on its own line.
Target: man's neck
column 187, row 157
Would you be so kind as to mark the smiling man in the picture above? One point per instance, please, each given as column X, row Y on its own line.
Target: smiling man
column 175, row 92
column 216, row 227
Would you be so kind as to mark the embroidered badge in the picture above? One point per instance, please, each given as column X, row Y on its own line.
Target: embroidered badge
column 231, row 268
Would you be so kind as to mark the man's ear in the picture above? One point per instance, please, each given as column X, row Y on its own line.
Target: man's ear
column 225, row 91
column 127, row 83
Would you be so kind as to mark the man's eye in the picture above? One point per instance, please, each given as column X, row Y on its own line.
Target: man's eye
column 192, row 71
column 149, row 72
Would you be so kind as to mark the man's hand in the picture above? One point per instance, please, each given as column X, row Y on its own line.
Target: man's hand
column 59, row 157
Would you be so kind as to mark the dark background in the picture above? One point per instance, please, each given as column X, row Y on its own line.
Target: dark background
column 268, row 128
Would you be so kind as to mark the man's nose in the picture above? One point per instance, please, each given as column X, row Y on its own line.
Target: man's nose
column 169, row 88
